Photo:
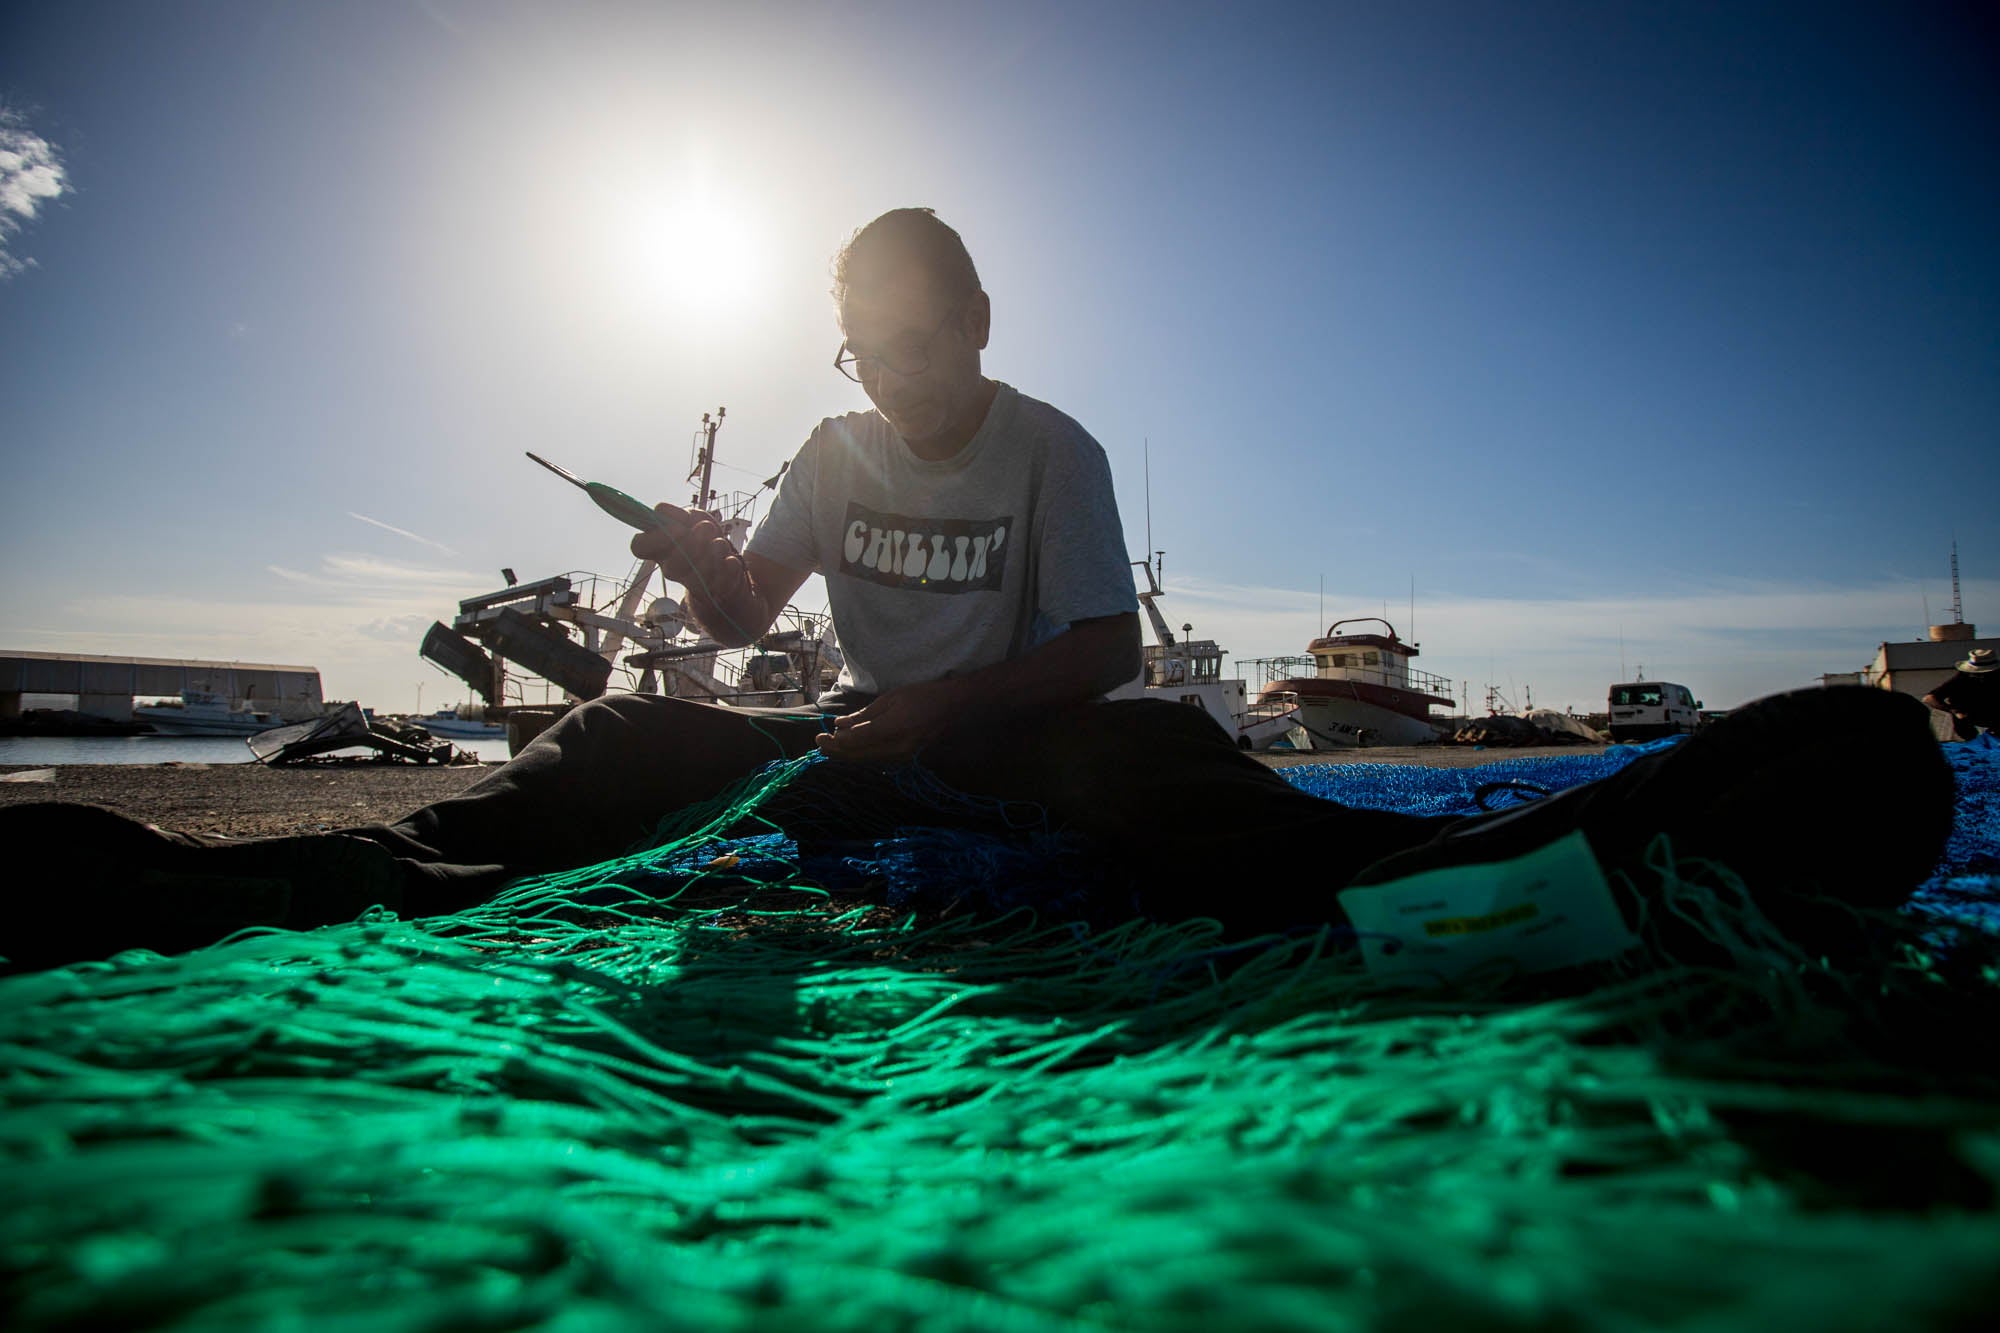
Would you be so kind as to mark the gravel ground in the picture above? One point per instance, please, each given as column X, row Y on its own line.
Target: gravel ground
column 250, row 800
column 245, row 800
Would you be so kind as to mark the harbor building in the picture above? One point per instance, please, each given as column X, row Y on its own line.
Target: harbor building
column 1918, row 667
column 107, row 686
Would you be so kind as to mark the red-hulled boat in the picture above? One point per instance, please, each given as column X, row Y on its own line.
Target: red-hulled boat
column 1359, row 689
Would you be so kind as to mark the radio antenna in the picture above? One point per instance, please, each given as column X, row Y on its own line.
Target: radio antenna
column 1957, row 607
column 1147, row 445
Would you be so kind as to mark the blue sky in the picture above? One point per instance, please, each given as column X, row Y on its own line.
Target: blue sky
column 1629, row 334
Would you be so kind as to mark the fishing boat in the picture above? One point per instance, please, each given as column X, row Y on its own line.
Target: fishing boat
column 201, row 713
column 454, row 724
column 1357, row 689
column 1189, row 671
column 584, row 635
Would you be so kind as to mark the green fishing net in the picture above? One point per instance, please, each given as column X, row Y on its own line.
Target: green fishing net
column 628, row 1099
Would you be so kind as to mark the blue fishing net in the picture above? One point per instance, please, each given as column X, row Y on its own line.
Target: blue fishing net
column 1965, row 889
column 933, row 867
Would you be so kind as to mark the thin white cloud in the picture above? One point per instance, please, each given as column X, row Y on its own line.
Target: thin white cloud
column 402, row 532
column 434, row 11
column 404, row 629
column 367, row 579
column 368, row 570
column 31, row 174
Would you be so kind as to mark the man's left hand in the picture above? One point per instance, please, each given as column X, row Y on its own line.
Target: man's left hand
column 898, row 724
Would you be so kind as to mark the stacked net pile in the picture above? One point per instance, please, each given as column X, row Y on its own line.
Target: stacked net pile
column 690, row 1089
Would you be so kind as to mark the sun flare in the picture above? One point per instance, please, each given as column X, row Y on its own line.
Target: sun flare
column 688, row 254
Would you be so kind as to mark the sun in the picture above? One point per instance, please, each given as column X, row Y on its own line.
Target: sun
column 668, row 237
column 689, row 254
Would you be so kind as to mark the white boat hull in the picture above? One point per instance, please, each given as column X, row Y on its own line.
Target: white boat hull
column 1347, row 724
column 206, row 713
column 459, row 729
column 1252, row 728
column 166, row 722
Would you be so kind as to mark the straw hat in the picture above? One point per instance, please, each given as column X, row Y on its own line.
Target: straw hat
column 1979, row 661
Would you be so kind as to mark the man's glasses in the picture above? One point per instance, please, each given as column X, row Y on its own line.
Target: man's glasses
column 911, row 356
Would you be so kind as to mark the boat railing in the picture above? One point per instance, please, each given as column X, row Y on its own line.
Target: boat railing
column 1430, row 682
column 1261, row 672
column 1267, row 671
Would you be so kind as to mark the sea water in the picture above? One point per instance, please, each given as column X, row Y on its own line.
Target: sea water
column 52, row 750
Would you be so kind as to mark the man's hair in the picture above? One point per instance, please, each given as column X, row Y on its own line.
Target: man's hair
column 905, row 235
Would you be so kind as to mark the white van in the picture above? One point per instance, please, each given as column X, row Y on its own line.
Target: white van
column 1644, row 710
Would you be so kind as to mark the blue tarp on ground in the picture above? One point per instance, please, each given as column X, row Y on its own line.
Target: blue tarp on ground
column 928, row 867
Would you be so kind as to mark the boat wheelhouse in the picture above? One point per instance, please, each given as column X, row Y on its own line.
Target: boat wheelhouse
column 1356, row 689
column 1189, row 671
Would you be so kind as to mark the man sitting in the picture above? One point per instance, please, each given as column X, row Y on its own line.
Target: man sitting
column 977, row 578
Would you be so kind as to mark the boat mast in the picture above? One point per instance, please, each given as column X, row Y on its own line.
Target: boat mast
column 1156, row 561
column 628, row 605
column 1146, row 600
column 704, row 456
column 1148, row 447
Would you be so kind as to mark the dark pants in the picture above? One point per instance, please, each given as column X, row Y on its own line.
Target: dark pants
column 1156, row 785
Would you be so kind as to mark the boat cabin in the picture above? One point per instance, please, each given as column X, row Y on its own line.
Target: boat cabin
column 1356, row 689
column 1193, row 662
column 1375, row 659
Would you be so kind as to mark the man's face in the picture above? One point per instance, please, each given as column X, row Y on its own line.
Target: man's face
column 899, row 318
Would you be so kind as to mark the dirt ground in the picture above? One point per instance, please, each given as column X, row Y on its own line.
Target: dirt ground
column 244, row 800
column 1426, row 756
column 250, row 800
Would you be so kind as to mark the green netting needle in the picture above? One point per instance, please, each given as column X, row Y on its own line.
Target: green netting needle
column 610, row 499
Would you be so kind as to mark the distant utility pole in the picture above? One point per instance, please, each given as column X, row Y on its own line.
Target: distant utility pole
column 1957, row 606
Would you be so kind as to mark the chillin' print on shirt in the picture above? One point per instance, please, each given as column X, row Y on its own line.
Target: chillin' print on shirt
column 926, row 554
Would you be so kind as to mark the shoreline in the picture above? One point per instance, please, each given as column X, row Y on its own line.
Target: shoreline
column 248, row 800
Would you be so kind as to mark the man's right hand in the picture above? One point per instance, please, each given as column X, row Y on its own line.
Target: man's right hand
column 734, row 597
column 692, row 552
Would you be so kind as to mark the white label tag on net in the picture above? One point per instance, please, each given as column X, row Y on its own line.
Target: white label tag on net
column 1550, row 908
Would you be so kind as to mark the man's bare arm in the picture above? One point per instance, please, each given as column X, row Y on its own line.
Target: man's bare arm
column 734, row 597
column 1085, row 661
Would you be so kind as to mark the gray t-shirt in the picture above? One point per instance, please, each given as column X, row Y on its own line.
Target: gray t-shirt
column 937, row 569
